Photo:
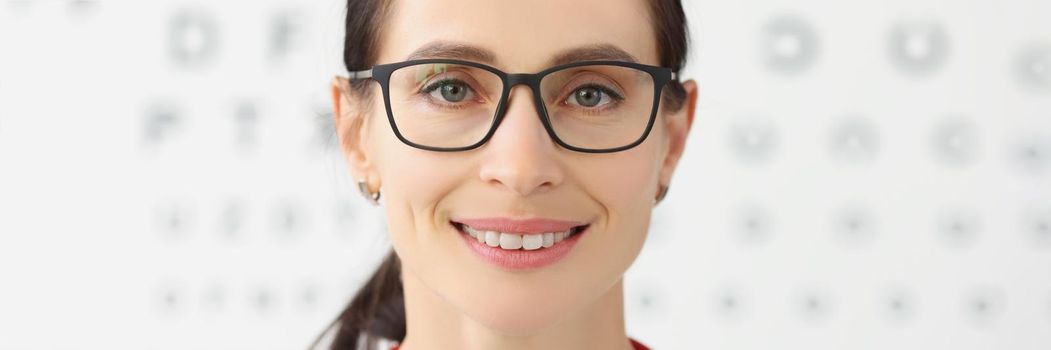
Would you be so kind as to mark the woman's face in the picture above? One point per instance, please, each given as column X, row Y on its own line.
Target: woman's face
column 521, row 173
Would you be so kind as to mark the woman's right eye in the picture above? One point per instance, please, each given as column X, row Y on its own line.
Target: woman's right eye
column 450, row 90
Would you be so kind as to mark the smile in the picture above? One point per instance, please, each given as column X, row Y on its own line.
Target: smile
column 520, row 245
column 514, row 241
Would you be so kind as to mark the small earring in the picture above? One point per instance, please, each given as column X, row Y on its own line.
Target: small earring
column 661, row 192
column 373, row 198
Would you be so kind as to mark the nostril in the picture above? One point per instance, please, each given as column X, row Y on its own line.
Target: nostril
column 521, row 177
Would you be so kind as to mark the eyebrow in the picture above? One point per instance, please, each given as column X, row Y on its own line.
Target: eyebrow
column 592, row 52
column 456, row 50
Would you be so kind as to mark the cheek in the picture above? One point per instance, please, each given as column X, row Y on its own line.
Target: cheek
column 415, row 181
column 621, row 181
column 624, row 185
column 410, row 178
column 412, row 182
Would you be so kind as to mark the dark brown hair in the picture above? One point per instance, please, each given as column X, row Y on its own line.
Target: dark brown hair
column 378, row 308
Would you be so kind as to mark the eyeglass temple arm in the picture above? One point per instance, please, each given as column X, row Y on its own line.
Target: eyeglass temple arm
column 361, row 74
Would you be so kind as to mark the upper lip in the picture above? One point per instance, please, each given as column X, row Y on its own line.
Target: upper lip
column 525, row 226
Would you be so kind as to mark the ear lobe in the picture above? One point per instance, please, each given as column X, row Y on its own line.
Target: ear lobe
column 678, row 126
column 349, row 117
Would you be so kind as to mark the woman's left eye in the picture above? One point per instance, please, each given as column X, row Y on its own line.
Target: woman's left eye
column 591, row 96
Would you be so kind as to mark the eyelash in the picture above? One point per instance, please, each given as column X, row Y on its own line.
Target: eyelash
column 427, row 90
column 614, row 96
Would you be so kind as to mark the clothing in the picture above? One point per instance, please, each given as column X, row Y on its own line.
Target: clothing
column 634, row 344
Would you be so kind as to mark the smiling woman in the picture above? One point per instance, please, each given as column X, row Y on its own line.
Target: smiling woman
column 513, row 213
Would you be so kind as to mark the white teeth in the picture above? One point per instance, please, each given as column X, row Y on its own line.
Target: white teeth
column 480, row 236
column 492, row 238
column 549, row 239
column 532, row 242
column 511, row 241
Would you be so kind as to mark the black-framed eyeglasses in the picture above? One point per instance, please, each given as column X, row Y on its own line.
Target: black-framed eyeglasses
column 452, row 105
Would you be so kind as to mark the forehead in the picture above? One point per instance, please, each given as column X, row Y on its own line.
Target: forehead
column 521, row 36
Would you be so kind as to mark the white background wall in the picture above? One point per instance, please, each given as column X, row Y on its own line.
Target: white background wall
column 860, row 175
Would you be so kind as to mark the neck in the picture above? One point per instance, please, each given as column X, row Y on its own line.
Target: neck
column 433, row 323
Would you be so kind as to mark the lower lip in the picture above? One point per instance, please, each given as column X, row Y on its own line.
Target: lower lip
column 519, row 259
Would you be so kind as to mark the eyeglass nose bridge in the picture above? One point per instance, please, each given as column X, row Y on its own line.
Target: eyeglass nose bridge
column 532, row 80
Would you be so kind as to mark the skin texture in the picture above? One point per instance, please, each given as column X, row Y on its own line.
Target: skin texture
column 453, row 299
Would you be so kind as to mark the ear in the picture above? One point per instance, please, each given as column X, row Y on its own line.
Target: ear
column 350, row 112
column 678, row 127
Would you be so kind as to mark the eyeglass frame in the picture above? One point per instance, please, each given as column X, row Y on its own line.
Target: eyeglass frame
column 381, row 73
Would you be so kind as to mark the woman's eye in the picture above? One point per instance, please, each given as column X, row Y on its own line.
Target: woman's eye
column 591, row 96
column 450, row 91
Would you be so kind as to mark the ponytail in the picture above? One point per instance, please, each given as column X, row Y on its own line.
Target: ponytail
column 376, row 311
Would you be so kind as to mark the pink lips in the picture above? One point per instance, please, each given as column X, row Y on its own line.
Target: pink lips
column 520, row 226
column 518, row 260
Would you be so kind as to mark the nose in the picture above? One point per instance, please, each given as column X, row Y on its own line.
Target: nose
column 520, row 156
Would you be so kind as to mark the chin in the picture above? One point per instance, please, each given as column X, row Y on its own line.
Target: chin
column 517, row 318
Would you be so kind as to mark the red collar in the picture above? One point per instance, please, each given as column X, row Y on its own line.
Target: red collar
column 634, row 343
